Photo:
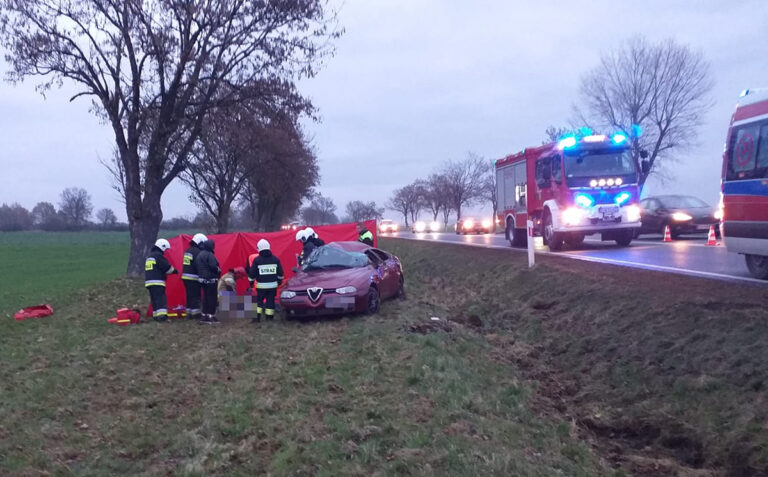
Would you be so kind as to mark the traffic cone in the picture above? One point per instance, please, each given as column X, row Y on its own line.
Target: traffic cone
column 667, row 234
column 711, row 240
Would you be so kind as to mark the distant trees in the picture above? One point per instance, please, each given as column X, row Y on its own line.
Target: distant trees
column 44, row 217
column 408, row 201
column 320, row 211
column 359, row 211
column 464, row 181
column 554, row 134
column 75, row 206
column 106, row 217
column 656, row 93
column 14, row 217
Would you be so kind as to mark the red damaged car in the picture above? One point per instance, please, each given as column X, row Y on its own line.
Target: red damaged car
column 343, row 277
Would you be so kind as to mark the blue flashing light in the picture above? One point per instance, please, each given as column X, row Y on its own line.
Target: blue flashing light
column 584, row 200
column 585, row 131
column 619, row 138
column 622, row 198
column 566, row 142
column 637, row 131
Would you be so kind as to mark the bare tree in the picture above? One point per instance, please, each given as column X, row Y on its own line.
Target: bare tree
column 554, row 134
column 75, row 206
column 464, row 181
column 358, row 211
column 154, row 70
column 320, row 211
column 489, row 188
column 434, row 196
column 106, row 217
column 43, row 214
column 656, row 93
column 405, row 201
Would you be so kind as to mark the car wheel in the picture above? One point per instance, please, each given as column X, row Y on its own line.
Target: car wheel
column 551, row 238
column 758, row 266
column 574, row 239
column 373, row 301
column 636, row 233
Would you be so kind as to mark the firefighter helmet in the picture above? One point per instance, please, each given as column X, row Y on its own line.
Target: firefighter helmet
column 163, row 244
column 199, row 238
column 301, row 235
column 310, row 232
column 262, row 245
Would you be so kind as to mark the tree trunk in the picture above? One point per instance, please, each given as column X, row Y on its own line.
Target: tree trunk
column 144, row 225
column 222, row 219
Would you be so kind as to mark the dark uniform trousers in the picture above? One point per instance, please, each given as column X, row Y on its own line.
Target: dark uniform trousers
column 159, row 302
column 265, row 301
column 193, row 289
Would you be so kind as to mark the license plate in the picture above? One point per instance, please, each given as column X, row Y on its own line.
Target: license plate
column 608, row 212
column 339, row 301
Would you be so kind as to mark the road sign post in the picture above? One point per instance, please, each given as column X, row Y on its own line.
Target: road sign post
column 531, row 259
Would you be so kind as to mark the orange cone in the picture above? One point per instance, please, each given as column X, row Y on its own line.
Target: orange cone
column 667, row 234
column 711, row 240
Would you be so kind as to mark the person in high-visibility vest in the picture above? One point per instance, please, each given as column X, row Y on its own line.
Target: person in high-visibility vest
column 364, row 235
column 248, row 265
column 267, row 271
column 191, row 279
column 156, row 269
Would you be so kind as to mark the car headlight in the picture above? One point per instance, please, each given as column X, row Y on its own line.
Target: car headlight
column 487, row 224
column 718, row 214
column 633, row 213
column 287, row 294
column 573, row 216
column 681, row 217
column 419, row 226
column 434, row 226
column 346, row 290
column 469, row 224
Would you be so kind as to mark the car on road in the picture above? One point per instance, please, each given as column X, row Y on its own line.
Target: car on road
column 290, row 226
column 471, row 225
column 421, row 227
column 683, row 213
column 343, row 278
column 388, row 226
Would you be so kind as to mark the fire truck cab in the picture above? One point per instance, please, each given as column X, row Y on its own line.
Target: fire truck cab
column 576, row 187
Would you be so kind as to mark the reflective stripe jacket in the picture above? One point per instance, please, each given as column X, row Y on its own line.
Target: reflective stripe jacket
column 309, row 246
column 266, row 270
column 190, row 271
column 156, row 267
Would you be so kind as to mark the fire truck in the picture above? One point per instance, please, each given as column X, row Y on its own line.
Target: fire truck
column 578, row 186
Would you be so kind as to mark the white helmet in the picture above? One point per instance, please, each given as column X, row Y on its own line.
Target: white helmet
column 262, row 245
column 163, row 244
column 300, row 235
column 310, row 232
column 199, row 238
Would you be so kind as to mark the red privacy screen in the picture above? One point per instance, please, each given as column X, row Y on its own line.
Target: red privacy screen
column 232, row 251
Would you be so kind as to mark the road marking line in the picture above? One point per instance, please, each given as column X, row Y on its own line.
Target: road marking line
column 610, row 261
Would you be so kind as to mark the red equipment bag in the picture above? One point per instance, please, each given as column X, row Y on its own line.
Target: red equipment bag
column 37, row 311
column 125, row 317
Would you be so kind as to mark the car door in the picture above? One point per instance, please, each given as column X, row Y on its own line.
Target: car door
column 388, row 273
column 652, row 222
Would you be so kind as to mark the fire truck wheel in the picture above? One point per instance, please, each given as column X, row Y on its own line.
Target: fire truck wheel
column 624, row 238
column 551, row 238
column 517, row 237
column 574, row 239
column 758, row 266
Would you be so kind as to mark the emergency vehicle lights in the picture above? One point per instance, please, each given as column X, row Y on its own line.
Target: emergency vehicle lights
column 633, row 213
column 593, row 183
column 566, row 142
column 601, row 182
column 584, row 200
column 573, row 216
column 618, row 181
column 619, row 138
column 610, row 182
column 595, row 138
column 622, row 198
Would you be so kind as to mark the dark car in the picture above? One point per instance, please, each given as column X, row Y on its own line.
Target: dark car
column 341, row 278
column 684, row 214
column 470, row 225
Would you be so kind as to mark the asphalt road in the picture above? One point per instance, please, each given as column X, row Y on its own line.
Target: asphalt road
column 688, row 256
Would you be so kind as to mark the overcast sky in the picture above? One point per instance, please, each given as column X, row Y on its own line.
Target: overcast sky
column 417, row 82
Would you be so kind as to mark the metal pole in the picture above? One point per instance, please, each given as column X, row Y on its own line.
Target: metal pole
column 531, row 259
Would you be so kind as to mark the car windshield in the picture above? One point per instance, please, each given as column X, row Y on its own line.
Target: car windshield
column 590, row 164
column 334, row 257
column 683, row 202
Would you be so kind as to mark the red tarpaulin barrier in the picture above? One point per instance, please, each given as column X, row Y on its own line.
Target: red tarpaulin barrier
column 232, row 251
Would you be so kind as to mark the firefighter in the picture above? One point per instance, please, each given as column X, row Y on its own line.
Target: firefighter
column 268, row 274
column 365, row 235
column 208, row 270
column 190, row 278
column 156, row 269
column 248, row 264
column 228, row 281
column 301, row 236
column 311, row 242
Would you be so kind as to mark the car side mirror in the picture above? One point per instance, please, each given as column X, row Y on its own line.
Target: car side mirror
column 645, row 165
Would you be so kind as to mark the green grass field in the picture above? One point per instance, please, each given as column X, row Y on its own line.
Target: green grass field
column 569, row 369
